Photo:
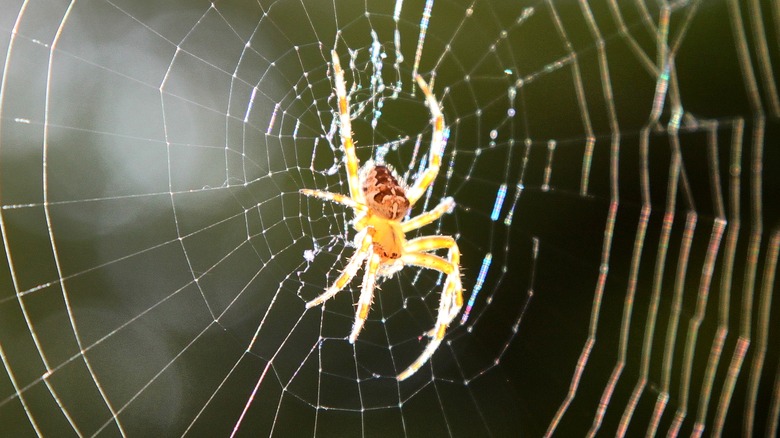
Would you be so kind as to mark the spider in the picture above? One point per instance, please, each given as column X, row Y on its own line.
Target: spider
column 380, row 202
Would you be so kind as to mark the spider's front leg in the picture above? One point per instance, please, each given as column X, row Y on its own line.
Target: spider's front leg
column 451, row 300
column 345, row 130
column 335, row 197
column 437, row 145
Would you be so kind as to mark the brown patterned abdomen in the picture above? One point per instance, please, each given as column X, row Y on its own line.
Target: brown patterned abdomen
column 384, row 195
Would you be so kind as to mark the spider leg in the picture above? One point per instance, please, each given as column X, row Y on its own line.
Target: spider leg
column 445, row 206
column 345, row 130
column 366, row 295
column 348, row 273
column 335, row 197
column 451, row 299
column 437, row 145
column 429, row 243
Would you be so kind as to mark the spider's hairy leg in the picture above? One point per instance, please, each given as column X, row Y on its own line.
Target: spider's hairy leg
column 349, row 271
column 335, row 197
column 415, row 254
column 445, row 206
column 451, row 299
column 449, row 267
column 437, row 144
column 345, row 130
column 429, row 243
column 366, row 296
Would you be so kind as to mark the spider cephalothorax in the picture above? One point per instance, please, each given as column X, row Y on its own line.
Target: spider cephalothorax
column 381, row 203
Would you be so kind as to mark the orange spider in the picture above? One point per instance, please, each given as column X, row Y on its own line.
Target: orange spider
column 380, row 203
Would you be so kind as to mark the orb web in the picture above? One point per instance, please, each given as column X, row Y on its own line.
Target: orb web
column 614, row 172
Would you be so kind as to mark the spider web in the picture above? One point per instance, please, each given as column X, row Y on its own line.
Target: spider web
column 614, row 165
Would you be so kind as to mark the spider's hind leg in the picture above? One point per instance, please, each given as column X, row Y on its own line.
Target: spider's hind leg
column 366, row 296
column 451, row 300
column 347, row 274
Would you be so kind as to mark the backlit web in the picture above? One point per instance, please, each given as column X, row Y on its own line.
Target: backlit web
column 615, row 168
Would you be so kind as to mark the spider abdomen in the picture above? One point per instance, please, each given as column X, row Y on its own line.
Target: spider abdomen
column 385, row 196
